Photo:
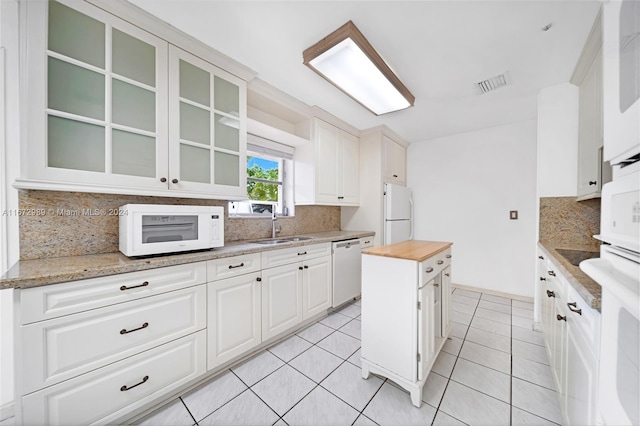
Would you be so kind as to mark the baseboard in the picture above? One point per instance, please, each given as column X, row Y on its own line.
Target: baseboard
column 7, row 411
column 494, row 293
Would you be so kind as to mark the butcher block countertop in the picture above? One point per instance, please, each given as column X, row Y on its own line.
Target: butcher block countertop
column 410, row 250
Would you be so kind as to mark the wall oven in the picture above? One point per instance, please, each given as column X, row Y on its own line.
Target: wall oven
column 618, row 272
column 148, row 229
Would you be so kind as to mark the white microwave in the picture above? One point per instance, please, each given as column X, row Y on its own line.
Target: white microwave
column 147, row 229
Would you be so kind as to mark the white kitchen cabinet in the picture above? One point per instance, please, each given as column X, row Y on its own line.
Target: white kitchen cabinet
column 234, row 308
column 394, row 161
column 296, row 287
column 207, row 127
column 86, row 346
column 405, row 282
column 105, row 395
column 382, row 155
column 327, row 170
column 590, row 132
column 113, row 108
column 281, row 299
column 572, row 338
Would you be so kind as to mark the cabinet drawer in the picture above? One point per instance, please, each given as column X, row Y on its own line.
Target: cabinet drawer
column 228, row 267
column 586, row 321
column 428, row 270
column 443, row 259
column 56, row 300
column 366, row 242
column 62, row 348
column 289, row 255
column 100, row 397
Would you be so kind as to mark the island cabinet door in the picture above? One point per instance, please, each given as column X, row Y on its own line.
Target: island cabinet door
column 426, row 329
column 446, row 301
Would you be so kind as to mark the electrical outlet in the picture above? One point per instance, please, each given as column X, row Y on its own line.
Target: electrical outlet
column 513, row 214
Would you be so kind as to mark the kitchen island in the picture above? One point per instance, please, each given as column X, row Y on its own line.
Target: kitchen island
column 406, row 302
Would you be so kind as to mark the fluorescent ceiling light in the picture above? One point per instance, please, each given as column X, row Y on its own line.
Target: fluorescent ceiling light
column 347, row 60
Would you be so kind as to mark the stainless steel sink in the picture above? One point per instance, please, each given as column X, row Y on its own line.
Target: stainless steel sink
column 282, row 240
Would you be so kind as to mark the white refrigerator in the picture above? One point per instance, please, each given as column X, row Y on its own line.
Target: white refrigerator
column 398, row 214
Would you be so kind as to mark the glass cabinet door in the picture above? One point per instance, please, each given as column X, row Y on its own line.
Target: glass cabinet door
column 105, row 94
column 207, row 127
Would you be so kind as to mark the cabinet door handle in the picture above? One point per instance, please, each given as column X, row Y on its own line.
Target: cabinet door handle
column 446, row 275
column 561, row 318
column 300, row 267
column 436, row 285
column 395, row 176
column 543, row 279
column 236, row 266
column 174, row 180
column 306, row 266
column 540, row 257
column 340, row 198
column 551, row 293
column 302, row 254
column 448, row 256
column 572, row 307
column 124, row 287
column 163, row 179
column 429, row 269
column 593, row 182
column 440, row 262
column 125, row 331
column 259, row 279
column 553, row 274
column 126, row 388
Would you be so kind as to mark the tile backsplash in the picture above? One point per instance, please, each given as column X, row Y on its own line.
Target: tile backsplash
column 565, row 221
column 76, row 223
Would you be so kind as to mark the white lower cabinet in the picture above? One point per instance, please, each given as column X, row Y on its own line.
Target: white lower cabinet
column 572, row 338
column 297, row 290
column 426, row 332
column 105, row 395
column 235, row 316
column 281, row 299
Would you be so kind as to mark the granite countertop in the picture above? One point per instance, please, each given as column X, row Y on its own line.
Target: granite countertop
column 39, row 272
column 411, row 250
column 587, row 288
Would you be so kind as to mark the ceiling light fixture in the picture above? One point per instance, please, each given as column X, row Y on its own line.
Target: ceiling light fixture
column 348, row 61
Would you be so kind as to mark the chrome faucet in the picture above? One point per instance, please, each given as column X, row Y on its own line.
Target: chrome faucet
column 274, row 229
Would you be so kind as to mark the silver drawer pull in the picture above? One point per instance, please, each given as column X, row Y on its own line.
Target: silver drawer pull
column 124, row 287
column 126, row 388
column 553, row 274
column 125, row 331
column 572, row 307
column 448, row 256
column 236, row 266
column 429, row 269
column 440, row 262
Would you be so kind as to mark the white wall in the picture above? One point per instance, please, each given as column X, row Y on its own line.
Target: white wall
column 558, row 141
column 9, row 170
column 464, row 187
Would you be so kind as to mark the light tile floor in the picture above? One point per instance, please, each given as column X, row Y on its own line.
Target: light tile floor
column 492, row 371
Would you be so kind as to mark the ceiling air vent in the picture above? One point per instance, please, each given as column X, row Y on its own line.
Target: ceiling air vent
column 492, row 83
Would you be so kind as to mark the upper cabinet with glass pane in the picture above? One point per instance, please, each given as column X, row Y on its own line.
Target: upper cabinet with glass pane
column 105, row 115
column 207, row 129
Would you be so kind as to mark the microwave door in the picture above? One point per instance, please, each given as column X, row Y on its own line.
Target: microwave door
column 165, row 229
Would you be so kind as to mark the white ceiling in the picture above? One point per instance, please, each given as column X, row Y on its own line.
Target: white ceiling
column 439, row 49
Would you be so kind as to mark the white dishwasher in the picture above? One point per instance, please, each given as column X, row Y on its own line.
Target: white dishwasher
column 347, row 271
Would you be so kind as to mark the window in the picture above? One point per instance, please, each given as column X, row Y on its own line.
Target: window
column 268, row 188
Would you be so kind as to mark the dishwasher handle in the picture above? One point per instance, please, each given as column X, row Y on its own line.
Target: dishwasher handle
column 346, row 244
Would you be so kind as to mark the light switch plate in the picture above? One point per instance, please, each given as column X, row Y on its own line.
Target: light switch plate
column 513, row 214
